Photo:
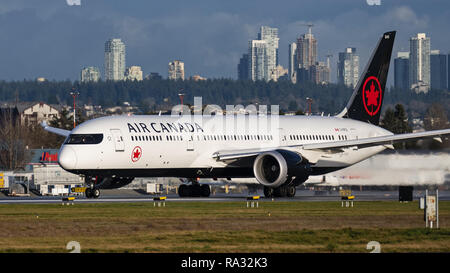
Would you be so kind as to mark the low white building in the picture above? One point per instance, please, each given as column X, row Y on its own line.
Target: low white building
column 33, row 113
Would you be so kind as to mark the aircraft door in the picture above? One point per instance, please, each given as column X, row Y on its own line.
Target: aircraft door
column 282, row 137
column 190, row 143
column 118, row 140
column 353, row 136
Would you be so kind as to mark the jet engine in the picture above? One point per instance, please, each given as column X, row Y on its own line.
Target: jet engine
column 274, row 168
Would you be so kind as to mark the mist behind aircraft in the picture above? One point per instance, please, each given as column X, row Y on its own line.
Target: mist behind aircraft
column 393, row 169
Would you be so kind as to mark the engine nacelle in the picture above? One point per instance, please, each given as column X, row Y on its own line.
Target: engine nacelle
column 272, row 169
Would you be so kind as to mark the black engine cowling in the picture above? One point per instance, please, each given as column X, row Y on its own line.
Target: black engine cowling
column 273, row 169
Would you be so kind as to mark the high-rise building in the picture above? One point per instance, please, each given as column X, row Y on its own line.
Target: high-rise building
column 419, row 63
column 401, row 71
column 306, row 50
column 257, row 60
column 90, row 74
column 114, row 60
column 270, row 35
column 263, row 54
column 243, row 68
column 438, row 70
column 320, row 73
column 134, row 73
column 348, row 67
column 306, row 57
column 292, row 63
column 176, row 70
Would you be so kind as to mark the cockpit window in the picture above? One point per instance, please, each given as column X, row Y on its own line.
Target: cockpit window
column 84, row 139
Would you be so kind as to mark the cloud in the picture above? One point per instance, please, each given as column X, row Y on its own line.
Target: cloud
column 50, row 38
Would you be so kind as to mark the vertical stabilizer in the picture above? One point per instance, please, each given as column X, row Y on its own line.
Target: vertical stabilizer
column 367, row 98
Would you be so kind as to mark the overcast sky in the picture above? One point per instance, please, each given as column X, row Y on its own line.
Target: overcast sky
column 51, row 39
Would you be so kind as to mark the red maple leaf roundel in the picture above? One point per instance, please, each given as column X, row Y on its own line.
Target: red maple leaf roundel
column 136, row 154
column 371, row 95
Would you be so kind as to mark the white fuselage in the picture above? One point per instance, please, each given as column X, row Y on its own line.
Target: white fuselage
column 183, row 146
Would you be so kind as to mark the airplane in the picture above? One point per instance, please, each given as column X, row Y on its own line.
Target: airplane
column 281, row 152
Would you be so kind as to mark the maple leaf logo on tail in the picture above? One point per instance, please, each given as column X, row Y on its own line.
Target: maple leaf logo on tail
column 372, row 95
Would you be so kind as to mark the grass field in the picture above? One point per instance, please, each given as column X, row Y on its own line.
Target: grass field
column 222, row 227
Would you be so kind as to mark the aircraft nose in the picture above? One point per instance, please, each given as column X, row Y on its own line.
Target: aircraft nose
column 67, row 158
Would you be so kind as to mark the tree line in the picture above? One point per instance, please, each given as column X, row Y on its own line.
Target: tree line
column 153, row 95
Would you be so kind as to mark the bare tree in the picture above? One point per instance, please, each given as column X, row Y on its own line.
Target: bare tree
column 13, row 151
column 436, row 119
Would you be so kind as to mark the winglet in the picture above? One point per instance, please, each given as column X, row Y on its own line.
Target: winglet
column 57, row 131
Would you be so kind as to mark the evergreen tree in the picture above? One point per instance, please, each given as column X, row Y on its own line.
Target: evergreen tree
column 396, row 121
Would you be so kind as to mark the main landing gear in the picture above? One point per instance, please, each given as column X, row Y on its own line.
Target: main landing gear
column 282, row 191
column 285, row 190
column 194, row 190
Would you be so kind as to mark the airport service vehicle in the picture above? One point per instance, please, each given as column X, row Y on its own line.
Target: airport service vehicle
column 281, row 152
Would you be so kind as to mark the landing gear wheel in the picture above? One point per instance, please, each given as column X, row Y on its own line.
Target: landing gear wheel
column 291, row 190
column 196, row 190
column 184, row 190
column 280, row 191
column 205, row 190
column 95, row 193
column 268, row 192
column 88, row 193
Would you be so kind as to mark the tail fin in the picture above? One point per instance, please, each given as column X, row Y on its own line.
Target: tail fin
column 367, row 98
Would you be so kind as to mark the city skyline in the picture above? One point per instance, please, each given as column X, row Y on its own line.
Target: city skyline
column 71, row 37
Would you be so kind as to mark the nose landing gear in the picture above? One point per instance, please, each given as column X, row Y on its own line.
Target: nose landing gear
column 92, row 193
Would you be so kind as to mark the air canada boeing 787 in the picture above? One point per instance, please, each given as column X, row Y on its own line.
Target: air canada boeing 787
column 281, row 152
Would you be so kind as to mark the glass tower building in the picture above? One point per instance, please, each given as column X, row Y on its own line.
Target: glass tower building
column 263, row 55
column 401, row 71
column 419, row 63
column 348, row 67
column 114, row 60
column 438, row 70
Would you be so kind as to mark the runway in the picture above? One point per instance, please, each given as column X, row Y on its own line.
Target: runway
column 131, row 196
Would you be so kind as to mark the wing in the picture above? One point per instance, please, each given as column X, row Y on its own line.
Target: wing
column 237, row 154
column 335, row 145
column 376, row 141
column 57, row 131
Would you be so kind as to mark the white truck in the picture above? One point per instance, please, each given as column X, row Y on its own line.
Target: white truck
column 154, row 188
